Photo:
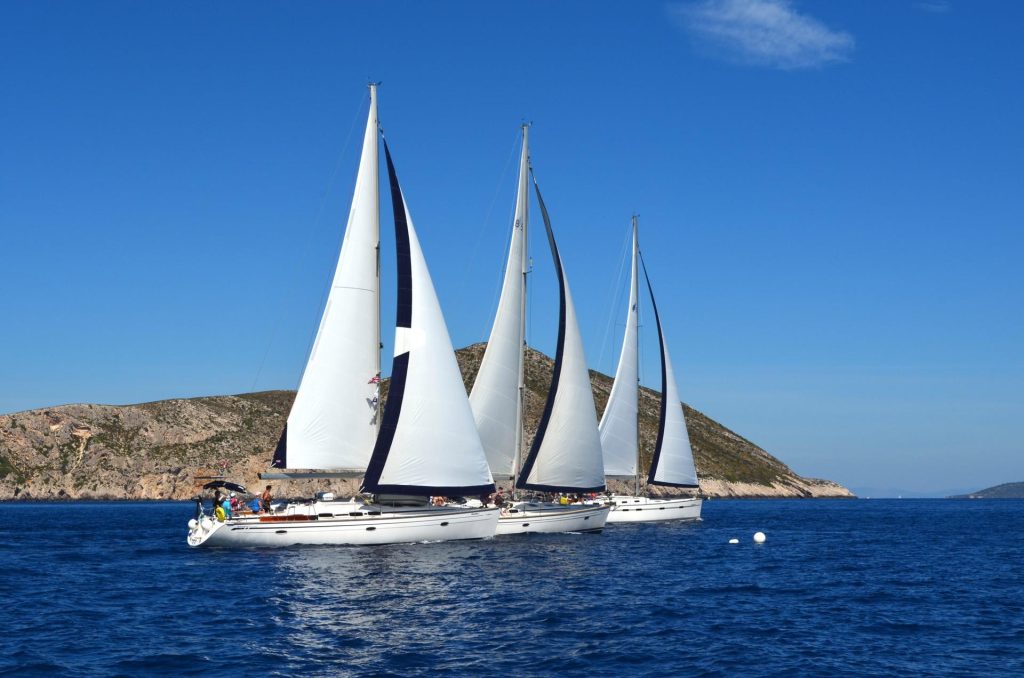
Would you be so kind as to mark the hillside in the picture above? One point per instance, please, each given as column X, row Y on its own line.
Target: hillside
column 164, row 449
column 1004, row 491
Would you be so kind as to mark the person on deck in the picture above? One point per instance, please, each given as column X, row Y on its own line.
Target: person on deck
column 265, row 499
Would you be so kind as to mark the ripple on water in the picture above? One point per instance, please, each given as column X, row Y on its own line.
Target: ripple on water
column 857, row 587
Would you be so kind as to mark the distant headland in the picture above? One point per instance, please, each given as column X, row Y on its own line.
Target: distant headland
column 1004, row 491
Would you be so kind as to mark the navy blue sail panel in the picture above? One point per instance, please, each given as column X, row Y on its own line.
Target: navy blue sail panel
column 531, row 457
column 281, row 452
column 664, row 385
column 403, row 318
column 400, row 365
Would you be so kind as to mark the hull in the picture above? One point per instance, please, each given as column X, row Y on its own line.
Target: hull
column 532, row 517
column 364, row 525
column 629, row 509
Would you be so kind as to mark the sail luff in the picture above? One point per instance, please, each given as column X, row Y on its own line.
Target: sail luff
column 496, row 397
column 566, row 450
column 332, row 423
column 428, row 442
column 672, row 462
column 618, row 426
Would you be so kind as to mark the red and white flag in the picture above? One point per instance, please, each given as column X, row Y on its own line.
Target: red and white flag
column 374, row 379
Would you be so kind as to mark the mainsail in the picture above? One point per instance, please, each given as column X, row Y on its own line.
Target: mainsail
column 672, row 463
column 428, row 442
column 619, row 423
column 566, row 451
column 333, row 421
column 496, row 399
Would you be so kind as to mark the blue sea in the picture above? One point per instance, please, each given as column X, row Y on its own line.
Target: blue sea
column 855, row 587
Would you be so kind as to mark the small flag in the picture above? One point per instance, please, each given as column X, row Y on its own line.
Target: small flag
column 374, row 380
column 373, row 403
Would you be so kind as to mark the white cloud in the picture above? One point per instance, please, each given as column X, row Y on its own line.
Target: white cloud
column 937, row 6
column 764, row 33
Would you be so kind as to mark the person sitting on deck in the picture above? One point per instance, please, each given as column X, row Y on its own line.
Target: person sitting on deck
column 439, row 501
column 563, row 500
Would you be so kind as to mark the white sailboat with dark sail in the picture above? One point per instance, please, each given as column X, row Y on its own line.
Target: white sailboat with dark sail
column 426, row 442
column 672, row 460
column 565, row 456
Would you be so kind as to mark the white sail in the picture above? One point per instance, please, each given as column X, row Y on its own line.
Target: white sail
column 428, row 442
column 566, row 451
column 332, row 423
column 672, row 462
column 495, row 397
column 619, row 423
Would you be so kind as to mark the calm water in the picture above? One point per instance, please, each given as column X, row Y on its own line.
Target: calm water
column 868, row 587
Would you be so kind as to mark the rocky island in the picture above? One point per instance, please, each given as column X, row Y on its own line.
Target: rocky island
column 167, row 449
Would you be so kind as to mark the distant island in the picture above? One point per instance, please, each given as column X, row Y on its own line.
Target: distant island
column 1004, row 491
column 167, row 449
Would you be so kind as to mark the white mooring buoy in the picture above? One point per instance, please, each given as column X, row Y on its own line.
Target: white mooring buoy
column 734, row 541
column 759, row 537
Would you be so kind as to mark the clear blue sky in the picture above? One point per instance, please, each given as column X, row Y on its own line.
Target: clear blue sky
column 830, row 198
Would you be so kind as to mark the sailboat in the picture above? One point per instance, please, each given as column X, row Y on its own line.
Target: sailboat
column 426, row 442
column 565, row 455
column 672, row 461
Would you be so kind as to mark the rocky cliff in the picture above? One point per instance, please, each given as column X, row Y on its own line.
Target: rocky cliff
column 167, row 449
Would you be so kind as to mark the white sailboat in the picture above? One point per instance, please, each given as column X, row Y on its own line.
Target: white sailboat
column 566, row 452
column 425, row 444
column 672, row 461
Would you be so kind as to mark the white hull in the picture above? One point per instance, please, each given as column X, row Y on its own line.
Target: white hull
column 529, row 517
column 362, row 525
column 629, row 509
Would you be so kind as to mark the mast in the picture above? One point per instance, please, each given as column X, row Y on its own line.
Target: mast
column 522, row 208
column 376, row 323
column 633, row 283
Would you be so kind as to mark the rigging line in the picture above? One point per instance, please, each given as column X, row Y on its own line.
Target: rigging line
column 306, row 250
column 615, row 293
